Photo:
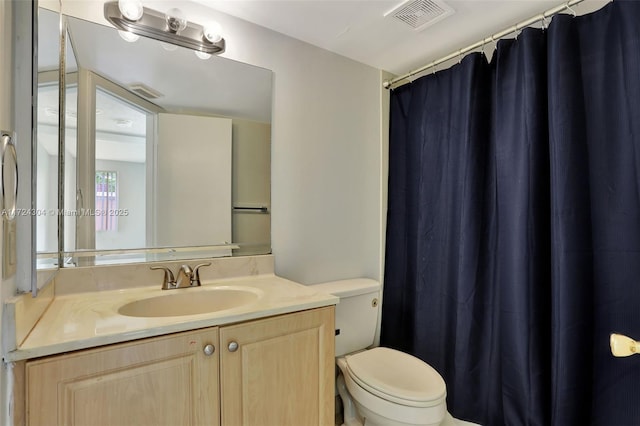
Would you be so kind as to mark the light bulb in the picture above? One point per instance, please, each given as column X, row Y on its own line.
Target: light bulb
column 176, row 20
column 131, row 9
column 127, row 36
column 212, row 32
column 202, row 55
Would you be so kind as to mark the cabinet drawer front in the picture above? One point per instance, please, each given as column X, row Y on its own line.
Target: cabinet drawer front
column 162, row 381
column 282, row 371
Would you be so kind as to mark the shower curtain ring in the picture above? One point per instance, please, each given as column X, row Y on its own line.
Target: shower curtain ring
column 495, row 44
column 459, row 56
column 568, row 7
column 544, row 21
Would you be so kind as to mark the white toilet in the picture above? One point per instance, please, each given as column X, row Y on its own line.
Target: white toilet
column 379, row 386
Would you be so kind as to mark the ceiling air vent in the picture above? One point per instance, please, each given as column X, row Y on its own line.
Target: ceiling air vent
column 145, row 91
column 419, row 14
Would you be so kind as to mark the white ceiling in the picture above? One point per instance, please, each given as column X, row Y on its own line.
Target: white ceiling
column 359, row 30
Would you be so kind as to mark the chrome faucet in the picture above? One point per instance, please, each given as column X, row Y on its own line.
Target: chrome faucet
column 184, row 277
column 187, row 277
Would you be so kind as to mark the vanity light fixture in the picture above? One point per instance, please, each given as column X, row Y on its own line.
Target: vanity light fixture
column 171, row 27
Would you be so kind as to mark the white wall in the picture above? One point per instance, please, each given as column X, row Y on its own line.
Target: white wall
column 8, row 80
column 47, row 199
column 326, row 148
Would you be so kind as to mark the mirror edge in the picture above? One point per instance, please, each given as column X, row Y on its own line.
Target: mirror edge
column 25, row 42
column 62, row 90
column 38, row 279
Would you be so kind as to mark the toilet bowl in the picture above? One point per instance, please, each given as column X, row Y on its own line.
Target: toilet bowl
column 379, row 386
column 392, row 388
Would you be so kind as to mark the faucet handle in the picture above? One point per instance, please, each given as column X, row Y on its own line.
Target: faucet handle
column 169, row 281
column 195, row 276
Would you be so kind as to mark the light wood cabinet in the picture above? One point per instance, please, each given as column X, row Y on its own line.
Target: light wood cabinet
column 282, row 373
column 160, row 381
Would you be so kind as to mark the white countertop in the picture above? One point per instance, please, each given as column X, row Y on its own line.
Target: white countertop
column 84, row 320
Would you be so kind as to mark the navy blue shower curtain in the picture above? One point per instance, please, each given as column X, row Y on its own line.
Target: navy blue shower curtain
column 513, row 228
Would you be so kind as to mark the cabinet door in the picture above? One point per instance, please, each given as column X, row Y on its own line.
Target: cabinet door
column 282, row 372
column 159, row 381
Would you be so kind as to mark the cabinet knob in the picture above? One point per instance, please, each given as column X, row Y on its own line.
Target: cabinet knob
column 209, row 350
column 233, row 346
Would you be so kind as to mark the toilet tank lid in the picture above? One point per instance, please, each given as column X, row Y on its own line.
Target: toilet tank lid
column 348, row 288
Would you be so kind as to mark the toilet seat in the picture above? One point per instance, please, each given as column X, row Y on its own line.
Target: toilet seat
column 397, row 377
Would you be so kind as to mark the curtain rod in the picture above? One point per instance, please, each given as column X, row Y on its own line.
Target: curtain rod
column 497, row 36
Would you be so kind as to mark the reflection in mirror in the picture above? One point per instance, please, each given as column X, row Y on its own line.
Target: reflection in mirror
column 46, row 155
column 70, row 144
column 120, row 173
column 170, row 157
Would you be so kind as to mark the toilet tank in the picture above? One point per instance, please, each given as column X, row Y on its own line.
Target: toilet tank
column 356, row 314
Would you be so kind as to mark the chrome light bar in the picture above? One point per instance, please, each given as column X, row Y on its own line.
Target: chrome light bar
column 154, row 24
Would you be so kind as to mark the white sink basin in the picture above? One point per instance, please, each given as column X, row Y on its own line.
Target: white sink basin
column 181, row 302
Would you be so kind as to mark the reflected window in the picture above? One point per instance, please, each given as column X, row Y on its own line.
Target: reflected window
column 106, row 201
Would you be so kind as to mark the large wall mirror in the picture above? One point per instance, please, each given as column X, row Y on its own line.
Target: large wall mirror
column 167, row 155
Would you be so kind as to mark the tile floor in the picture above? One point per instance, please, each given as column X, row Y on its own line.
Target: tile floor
column 448, row 421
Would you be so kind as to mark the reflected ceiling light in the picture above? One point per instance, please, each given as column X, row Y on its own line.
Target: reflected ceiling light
column 171, row 27
column 51, row 112
column 202, row 55
column 131, row 9
column 168, row 47
column 127, row 36
column 623, row 345
column 124, row 123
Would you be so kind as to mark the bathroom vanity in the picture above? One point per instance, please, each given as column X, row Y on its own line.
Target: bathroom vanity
column 100, row 343
column 273, row 371
column 267, row 361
